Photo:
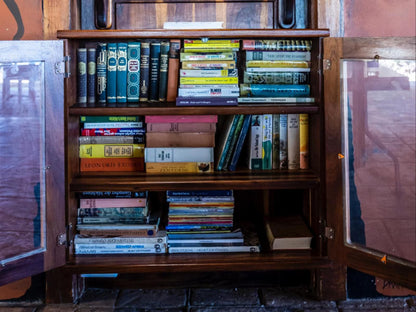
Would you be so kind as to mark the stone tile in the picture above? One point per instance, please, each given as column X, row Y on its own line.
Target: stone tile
column 152, row 298
column 379, row 304
column 239, row 297
column 98, row 297
column 293, row 299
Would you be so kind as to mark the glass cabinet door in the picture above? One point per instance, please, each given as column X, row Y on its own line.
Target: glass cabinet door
column 31, row 157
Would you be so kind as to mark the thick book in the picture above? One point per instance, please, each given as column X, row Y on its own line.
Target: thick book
column 144, row 71
column 267, row 141
column 112, row 72
column 82, row 75
column 233, row 142
column 209, row 64
column 207, row 56
column 159, row 238
column 260, row 55
column 111, row 150
column 112, row 202
column 208, row 73
column 113, row 212
column 133, row 71
column 111, row 194
column 101, row 118
column 274, row 90
column 131, row 248
column 127, row 139
column 224, row 136
column 304, row 141
column 173, row 70
column 283, row 162
column 278, row 69
column 154, row 71
column 111, row 164
column 270, row 100
column 121, row 72
column 101, row 72
column 181, row 127
column 91, row 74
column 286, row 233
column 179, row 167
column 121, row 230
column 275, row 141
column 278, row 64
column 181, row 118
column 163, row 69
column 276, row 77
column 179, row 154
column 112, row 131
column 206, row 101
column 277, row 44
column 208, row 80
column 214, row 44
column 180, row 139
column 112, row 220
column 255, row 143
column 110, row 124
column 240, row 143
column 293, row 154
column 202, row 91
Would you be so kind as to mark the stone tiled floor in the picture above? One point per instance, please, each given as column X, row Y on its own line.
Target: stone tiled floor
column 213, row 300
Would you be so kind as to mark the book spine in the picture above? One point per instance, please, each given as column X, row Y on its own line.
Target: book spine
column 208, row 80
column 278, row 69
column 200, row 193
column 111, row 194
column 275, row 141
column 112, row 131
column 111, row 72
column 276, row 99
column 225, row 44
column 206, row 101
column 154, row 71
column 278, row 44
column 182, row 199
column 278, row 55
column 214, row 249
column 206, row 241
column 278, row 64
column 233, row 142
column 119, row 233
column 82, row 75
column 179, row 167
column 111, row 164
column 276, row 78
column 102, row 72
column 94, row 125
column 207, row 92
column 133, row 71
column 304, row 141
column 180, row 139
column 274, row 90
column 181, row 118
column 110, row 119
column 208, row 73
column 91, row 74
column 240, row 143
column 81, row 249
column 112, row 202
column 111, row 150
column 181, row 127
column 283, row 142
column 144, row 71
column 120, row 240
column 179, row 154
column 267, row 134
column 121, row 72
column 111, row 220
column 173, row 70
column 163, row 72
column 207, row 56
column 135, row 139
column 255, row 157
column 113, row 212
column 209, row 65
column 293, row 141
column 226, row 145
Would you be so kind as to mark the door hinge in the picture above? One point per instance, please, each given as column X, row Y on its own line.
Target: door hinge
column 62, row 68
column 62, row 238
column 327, row 64
column 329, row 232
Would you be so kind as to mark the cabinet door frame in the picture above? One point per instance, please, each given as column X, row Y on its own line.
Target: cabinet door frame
column 53, row 253
column 360, row 258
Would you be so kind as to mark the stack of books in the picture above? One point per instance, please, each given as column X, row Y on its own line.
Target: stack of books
column 208, row 74
column 180, row 143
column 276, row 71
column 111, row 143
column 202, row 221
column 118, row 222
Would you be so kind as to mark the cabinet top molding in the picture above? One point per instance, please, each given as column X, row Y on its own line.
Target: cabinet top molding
column 209, row 33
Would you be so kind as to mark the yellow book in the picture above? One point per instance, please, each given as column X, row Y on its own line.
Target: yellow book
column 179, row 167
column 278, row 64
column 208, row 80
column 209, row 64
column 304, row 140
column 111, row 150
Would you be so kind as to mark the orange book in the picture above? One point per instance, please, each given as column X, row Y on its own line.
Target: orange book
column 111, row 164
column 180, row 139
column 173, row 70
column 179, row 167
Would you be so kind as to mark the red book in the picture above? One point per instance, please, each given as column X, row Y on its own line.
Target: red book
column 181, row 127
column 111, row 164
column 112, row 202
column 173, row 70
column 180, row 139
column 181, row 118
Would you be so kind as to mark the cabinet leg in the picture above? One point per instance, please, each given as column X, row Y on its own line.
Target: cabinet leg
column 62, row 286
column 329, row 283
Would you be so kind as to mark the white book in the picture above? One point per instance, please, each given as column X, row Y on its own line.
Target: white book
column 214, row 86
column 255, row 157
column 249, row 249
column 278, row 55
column 293, row 151
column 220, row 91
column 160, row 238
column 93, row 251
column 276, row 100
column 179, row 154
column 105, row 246
column 94, row 125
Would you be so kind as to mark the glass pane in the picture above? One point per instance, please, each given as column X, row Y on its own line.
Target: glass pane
column 379, row 148
column 22, row 189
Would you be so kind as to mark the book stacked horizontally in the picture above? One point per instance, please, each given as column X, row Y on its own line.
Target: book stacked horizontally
column 208, row 74
column 180, row 143
column 111, row 143
column 276, row 71
column 119, row 222
column 202, row 221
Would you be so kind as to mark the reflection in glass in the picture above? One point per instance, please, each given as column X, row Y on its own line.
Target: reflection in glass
column 21, row 159
column 379, row 127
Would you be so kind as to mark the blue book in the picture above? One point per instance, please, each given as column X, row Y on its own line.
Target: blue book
column 133, row 71
column 112, row 72
column 233, row 142
column 240, row 142
column 102, row 72
column 122, row 72
column 144, row 71
column 82, row 75
column 154, row 71
column 274, row 90
column 225, row 139
column 91, row 72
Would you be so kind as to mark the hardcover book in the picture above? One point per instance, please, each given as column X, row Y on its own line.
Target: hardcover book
column 304, row 141
column 144, row 71
column 127, row 139
column 154, row 71
column 121, row 124
column 111, row 194
column 233, row 142
column 83, row 119
column 181, row 127
column 277, row 44
column 267, row 142
column 121, row 72
column 206, row 56
column 209, row 64
column 164, row 67
column 208, row 80
column 112, row 131
column 101, row 72
column 240, row 143
column 113, row 212
column 215, row 44
column 206, row 101
column 82, row 75
column 203, row 91
column 278, row 64
column 276, row 77
column 288, row 100
column 260, row 55
column 102, row 249
column 181, row 118
column 179, row 167
column 179, row 154
column 173, row 70
column 133, row 71
column 208, row 73
column 112, row 202
column 111, row 164
column 111, row 150
column 283, row 142
column 160, row 238
column 276, row 141
column 180, row 139
column 225, row 132
column 112, row 72
column 293, row 155
column 273, row 90
column 255, row 147
column 91, row 74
